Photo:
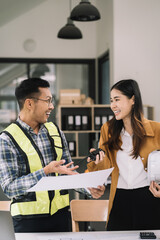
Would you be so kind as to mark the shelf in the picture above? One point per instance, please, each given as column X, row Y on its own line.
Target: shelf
column 82, row 139
column 95, row 115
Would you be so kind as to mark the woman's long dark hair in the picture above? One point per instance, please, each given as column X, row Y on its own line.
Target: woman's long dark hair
column 128, row 88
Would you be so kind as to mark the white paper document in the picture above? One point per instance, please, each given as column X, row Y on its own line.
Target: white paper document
column 82, row 180
column 103, row 235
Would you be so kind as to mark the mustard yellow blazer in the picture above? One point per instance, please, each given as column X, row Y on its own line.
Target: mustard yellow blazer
column 150, row 143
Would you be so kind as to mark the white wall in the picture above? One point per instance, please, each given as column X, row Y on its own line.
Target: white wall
column 129, row 29
column 105, row 26
column 42, row 25
column 137, row 46
column 105, row 31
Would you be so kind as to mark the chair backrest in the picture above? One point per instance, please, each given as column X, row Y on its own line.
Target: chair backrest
column 88, row 211
column 6, row 226
column 5, row 205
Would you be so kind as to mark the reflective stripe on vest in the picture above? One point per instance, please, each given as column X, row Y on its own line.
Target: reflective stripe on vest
column 42, row 203
column 58, row 200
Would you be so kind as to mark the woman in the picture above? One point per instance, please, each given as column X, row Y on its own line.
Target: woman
column 127, row 140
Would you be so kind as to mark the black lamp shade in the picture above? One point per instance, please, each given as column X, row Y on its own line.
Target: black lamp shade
column 84, row 11
column 69, row 31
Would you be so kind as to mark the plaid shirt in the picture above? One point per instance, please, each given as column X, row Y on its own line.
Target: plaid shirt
column 13, row 178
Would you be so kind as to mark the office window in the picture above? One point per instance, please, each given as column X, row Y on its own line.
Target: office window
column 104, row 79
column 11, row 74
column 61, row 74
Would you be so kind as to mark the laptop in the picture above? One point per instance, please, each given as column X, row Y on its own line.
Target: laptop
column 6, row 226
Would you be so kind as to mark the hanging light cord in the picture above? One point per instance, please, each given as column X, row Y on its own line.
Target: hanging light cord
column 70, row 7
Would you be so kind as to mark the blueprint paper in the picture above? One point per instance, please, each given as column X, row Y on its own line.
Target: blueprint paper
column 82, row 180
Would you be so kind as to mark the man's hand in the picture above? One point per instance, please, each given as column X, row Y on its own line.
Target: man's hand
column 58, row 167
column 155, row 189
column 99, row 157
column 97, row 192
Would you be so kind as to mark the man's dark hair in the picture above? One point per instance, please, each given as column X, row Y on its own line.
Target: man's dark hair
column 28, row 88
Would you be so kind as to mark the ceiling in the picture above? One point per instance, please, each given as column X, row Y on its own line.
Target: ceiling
column 11, row 9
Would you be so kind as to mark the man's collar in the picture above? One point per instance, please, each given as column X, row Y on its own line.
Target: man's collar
column 23, row 124
column 26, row 126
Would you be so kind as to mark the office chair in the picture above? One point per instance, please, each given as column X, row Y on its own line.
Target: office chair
column 7, row 229
column 88, row 211
column 5, row 205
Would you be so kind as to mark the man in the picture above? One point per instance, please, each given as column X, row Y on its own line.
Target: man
column 31, row 149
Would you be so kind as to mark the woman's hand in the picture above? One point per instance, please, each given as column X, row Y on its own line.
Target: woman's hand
column 155, row 189
column 99, row 157
column 97, row 192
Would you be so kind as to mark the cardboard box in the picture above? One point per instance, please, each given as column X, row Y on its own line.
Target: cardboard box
column 70, row 96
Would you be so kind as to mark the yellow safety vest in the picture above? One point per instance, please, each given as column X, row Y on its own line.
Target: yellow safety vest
column 40, row 203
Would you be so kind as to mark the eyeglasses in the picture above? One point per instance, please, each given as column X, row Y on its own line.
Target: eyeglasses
column 48, row 101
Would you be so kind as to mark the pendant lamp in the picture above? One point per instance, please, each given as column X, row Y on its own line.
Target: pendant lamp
column 69, row 31
column 85, row 11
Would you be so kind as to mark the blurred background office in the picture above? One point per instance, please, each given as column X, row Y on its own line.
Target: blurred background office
column 123, row 43
column 128, row 29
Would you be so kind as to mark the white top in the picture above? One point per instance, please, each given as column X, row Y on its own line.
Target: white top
column 131, row 171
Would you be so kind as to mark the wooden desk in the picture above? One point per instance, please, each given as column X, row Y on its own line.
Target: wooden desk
column 123, row 235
